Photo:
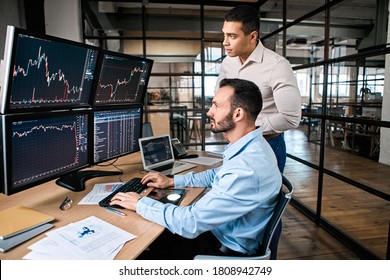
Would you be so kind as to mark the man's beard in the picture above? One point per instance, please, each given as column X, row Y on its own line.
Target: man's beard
column 224, row 125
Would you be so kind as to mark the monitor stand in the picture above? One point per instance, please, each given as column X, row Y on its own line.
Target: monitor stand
column 75, row 180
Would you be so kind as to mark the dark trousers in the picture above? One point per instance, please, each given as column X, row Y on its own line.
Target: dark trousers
column 169, row 246
column 279, row 147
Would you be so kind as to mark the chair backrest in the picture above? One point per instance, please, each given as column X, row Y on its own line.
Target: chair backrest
column 147, row 129
column 264, row 251
column 283, row 200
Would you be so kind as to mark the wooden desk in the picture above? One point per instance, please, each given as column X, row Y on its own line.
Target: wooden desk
column 48, row 197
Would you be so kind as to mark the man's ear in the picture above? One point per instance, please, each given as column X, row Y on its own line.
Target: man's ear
column 238, row 114
column 254, row 36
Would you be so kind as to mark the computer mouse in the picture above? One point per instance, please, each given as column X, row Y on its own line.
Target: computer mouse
column 173, row 196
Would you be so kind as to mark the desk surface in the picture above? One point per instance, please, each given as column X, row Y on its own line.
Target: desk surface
column 48, row 197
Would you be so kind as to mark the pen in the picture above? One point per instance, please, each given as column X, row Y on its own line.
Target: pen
column 115, row 211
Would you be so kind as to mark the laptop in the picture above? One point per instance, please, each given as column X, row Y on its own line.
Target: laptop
column 157, row 155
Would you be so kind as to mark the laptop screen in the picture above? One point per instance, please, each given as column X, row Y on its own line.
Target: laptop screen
column 156, row 150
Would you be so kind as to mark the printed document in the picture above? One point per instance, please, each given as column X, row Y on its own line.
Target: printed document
column 88, row 239
column 99, row 192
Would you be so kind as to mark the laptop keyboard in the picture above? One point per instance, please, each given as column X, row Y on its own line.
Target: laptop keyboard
column 168, row 166
column 133, row 185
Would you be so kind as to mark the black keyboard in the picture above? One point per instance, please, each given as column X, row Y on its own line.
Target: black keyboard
column 133, row 185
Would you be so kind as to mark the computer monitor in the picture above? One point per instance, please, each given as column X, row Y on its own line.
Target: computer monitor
column 45, row 72
column 123, row 79
column 38, row 147
column 116, row 132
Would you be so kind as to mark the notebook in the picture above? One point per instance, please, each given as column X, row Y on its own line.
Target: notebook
column 8, row 243
column 18, row 219
column 157, row 155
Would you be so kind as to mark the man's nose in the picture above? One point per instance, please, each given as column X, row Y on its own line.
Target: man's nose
column 225, row 40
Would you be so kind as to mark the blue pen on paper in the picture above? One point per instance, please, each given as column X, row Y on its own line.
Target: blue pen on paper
column 115, row 211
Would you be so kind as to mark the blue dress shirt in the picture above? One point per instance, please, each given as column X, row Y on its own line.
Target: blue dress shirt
column 240, row 202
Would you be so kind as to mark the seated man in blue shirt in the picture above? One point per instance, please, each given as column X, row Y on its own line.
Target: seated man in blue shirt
column 231, row 217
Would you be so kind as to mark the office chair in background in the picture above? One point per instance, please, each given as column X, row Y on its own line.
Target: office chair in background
column 147, row 129
column 264, row 250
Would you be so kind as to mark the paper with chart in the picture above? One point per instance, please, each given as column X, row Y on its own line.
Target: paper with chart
column 99, row 192
column 88, row 239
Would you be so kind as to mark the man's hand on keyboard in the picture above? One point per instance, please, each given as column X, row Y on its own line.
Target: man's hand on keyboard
column 126, row 200
column 157, row 180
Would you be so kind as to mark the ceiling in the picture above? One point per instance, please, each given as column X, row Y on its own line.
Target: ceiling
column 361, row 20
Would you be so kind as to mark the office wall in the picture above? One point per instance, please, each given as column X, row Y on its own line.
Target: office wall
column 11, row 13
column 63, row 19
column 164, row 47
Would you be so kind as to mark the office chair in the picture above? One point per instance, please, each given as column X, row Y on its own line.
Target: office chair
column 264, row 252
column 147, row 129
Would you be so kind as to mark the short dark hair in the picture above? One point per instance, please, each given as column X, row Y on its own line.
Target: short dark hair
column 247, row 15
column 246, row 95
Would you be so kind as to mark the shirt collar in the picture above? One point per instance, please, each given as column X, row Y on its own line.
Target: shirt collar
column 255, row 56
column 233, row 149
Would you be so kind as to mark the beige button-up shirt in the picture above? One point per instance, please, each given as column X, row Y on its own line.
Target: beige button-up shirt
column 273, row 74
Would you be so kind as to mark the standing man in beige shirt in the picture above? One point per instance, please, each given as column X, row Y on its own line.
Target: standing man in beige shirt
column 248, row 59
